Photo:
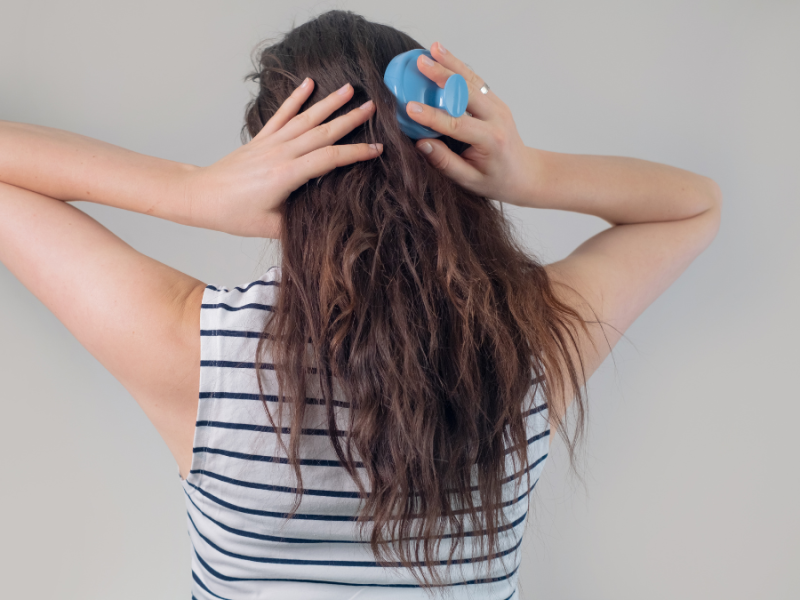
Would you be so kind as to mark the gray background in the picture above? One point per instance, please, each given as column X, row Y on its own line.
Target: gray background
column 690, row 467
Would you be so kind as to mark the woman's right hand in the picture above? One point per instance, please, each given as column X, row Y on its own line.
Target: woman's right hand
column 497, row 164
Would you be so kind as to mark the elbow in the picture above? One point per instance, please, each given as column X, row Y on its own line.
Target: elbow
column 713, row 214
column 710, row 197
column 712, row 194
column 716, row 193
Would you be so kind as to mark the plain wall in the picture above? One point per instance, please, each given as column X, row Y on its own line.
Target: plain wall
column 690, row 463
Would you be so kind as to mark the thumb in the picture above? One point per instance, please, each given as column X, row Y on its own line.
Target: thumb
column 448, row 162
column 444, row 159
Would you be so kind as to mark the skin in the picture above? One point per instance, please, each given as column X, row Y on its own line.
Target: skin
column 661, row 217
column 141, row 318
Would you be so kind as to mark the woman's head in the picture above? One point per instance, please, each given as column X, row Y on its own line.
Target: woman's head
column 417, row 303
column 336, row 48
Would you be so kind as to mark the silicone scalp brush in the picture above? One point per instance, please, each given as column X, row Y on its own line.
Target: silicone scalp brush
column 407, row 83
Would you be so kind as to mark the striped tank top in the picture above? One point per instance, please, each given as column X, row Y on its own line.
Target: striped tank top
column 240, row 487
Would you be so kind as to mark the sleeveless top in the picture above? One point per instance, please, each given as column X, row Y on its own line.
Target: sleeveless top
column 240, row 487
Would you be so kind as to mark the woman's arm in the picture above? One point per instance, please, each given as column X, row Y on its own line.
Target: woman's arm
column 662, row 218
column 69, row 166
column 241, row 194
column 138, row 317
column 617, row 189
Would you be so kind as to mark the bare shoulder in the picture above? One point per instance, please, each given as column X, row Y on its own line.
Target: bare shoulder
column 614, row 276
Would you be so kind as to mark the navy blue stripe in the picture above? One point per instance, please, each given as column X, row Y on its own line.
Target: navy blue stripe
column 316, row 401
column 237, row 333
column 531, row 466
column 230, row 308
column 267, row 397
column 276, row 488
column 308, row 516
column 222, row 577
column 311, row 492
column 262, row 428
column 265, row 537
column 307, row 431
column 269, row 513
column 538, row 436
column 311, row 462
column 203, row 585
column 535, row 410
column 244, row 365
column 216, row 573
column 510, row 502
column 249, row 285
column 287, row 430
column 287, row 540
column 318, row 462
column 315, row 462
column 345, row 563
column 230, row 333
column 237, row 396
column 235, row 365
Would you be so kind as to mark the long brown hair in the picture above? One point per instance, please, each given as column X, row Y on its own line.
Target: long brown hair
column 417, row 304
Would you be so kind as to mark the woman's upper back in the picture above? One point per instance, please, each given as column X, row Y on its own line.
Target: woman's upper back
column 240, row 488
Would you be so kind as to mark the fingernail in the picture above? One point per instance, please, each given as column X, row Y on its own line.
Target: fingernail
column 442, row 48
column 366, row 105
column 377, row 147
column 425, row 147
column 305, row 82
column 427, row 60
column 415, row 107
column 343, row 89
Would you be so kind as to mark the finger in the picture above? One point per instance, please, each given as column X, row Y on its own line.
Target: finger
column 447, row 60
column 328, row 133
column 288, row 109
column 314, row 115
column 464, row 128
column 324, row 160
column 447, row 161
column 478, row 104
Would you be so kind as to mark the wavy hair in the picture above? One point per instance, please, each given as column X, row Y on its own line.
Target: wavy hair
column 409, row 294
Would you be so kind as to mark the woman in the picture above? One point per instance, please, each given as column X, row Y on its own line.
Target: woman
column 373, row 414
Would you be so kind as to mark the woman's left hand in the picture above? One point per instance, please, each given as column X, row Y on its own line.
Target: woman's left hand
column 242, row 193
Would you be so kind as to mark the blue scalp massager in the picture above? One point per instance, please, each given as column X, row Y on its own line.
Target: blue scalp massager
column 407, row 83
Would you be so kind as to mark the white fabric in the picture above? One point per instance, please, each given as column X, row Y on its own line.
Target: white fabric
column 238, row 490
